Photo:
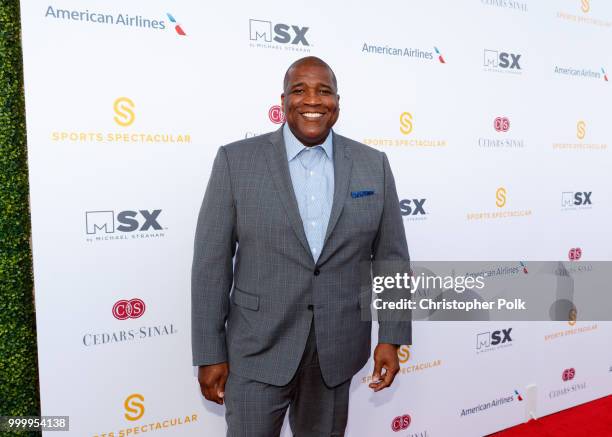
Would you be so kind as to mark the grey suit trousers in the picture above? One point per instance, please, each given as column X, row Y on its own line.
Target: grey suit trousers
column 257, row 409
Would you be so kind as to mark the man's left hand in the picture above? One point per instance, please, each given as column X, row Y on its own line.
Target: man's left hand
column 385, row 357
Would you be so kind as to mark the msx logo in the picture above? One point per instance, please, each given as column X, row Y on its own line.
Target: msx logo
column 487, row 339
column 412, row 206
column 104, row 221
column 260, row 30
column 570, row 198
column 496, row 59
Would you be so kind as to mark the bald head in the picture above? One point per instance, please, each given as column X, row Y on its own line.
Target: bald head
column 311, row 61
column 310, row 100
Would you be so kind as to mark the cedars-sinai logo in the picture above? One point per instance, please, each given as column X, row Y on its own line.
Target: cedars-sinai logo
column 276, row 114
column 568, row 374
column 574, row 254
column 128, row 309
column 501, row 124
column 401, row 423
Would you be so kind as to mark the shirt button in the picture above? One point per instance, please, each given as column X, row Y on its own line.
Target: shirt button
column 312, row 197
column 317, row 272
column 311, row 173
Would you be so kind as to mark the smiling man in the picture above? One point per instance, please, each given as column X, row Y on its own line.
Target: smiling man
column 288, row 220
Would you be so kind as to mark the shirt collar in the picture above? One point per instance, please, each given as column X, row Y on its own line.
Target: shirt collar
column 294, row 146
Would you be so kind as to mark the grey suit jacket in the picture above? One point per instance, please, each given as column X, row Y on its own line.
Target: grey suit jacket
column 250, row 240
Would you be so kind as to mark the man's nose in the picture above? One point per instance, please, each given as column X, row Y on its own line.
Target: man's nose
column 312, row 98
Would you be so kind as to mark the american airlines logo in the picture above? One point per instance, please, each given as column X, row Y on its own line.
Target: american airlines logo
column 113, row 225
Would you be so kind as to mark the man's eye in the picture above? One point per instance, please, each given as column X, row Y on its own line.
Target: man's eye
column 326, row 92
column 298, row 91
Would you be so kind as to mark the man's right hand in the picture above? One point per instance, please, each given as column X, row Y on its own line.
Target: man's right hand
column 212, row 381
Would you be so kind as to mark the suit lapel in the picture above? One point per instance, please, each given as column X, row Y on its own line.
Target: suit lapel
column 343, row 165
column 279, row 169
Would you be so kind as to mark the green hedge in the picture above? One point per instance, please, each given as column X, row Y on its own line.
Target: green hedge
column 18, row 356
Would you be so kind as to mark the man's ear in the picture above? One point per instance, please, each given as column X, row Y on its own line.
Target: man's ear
column 283, row 101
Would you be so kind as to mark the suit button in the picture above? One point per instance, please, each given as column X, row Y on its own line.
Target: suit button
column 310, row 307
column 317, row 272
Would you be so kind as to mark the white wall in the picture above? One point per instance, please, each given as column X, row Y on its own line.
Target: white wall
column 215, row 85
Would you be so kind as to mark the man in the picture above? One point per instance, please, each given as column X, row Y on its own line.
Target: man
column 288, row 221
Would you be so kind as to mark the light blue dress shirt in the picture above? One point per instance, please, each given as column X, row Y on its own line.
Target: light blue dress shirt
column 312, row 175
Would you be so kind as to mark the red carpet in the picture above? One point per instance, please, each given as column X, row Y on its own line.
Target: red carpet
column 593, row 419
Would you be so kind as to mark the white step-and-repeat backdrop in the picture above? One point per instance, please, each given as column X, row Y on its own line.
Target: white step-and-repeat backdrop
column 495, row 115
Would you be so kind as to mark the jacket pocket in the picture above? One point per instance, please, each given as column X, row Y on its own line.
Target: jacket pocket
column 245, row 300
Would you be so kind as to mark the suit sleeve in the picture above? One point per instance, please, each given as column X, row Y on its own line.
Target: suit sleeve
column 212, row 270
column 390, row 256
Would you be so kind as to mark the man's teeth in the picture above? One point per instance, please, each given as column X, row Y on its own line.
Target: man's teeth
column 312, row 114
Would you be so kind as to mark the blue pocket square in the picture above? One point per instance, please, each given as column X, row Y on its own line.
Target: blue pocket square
column 356, row 194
